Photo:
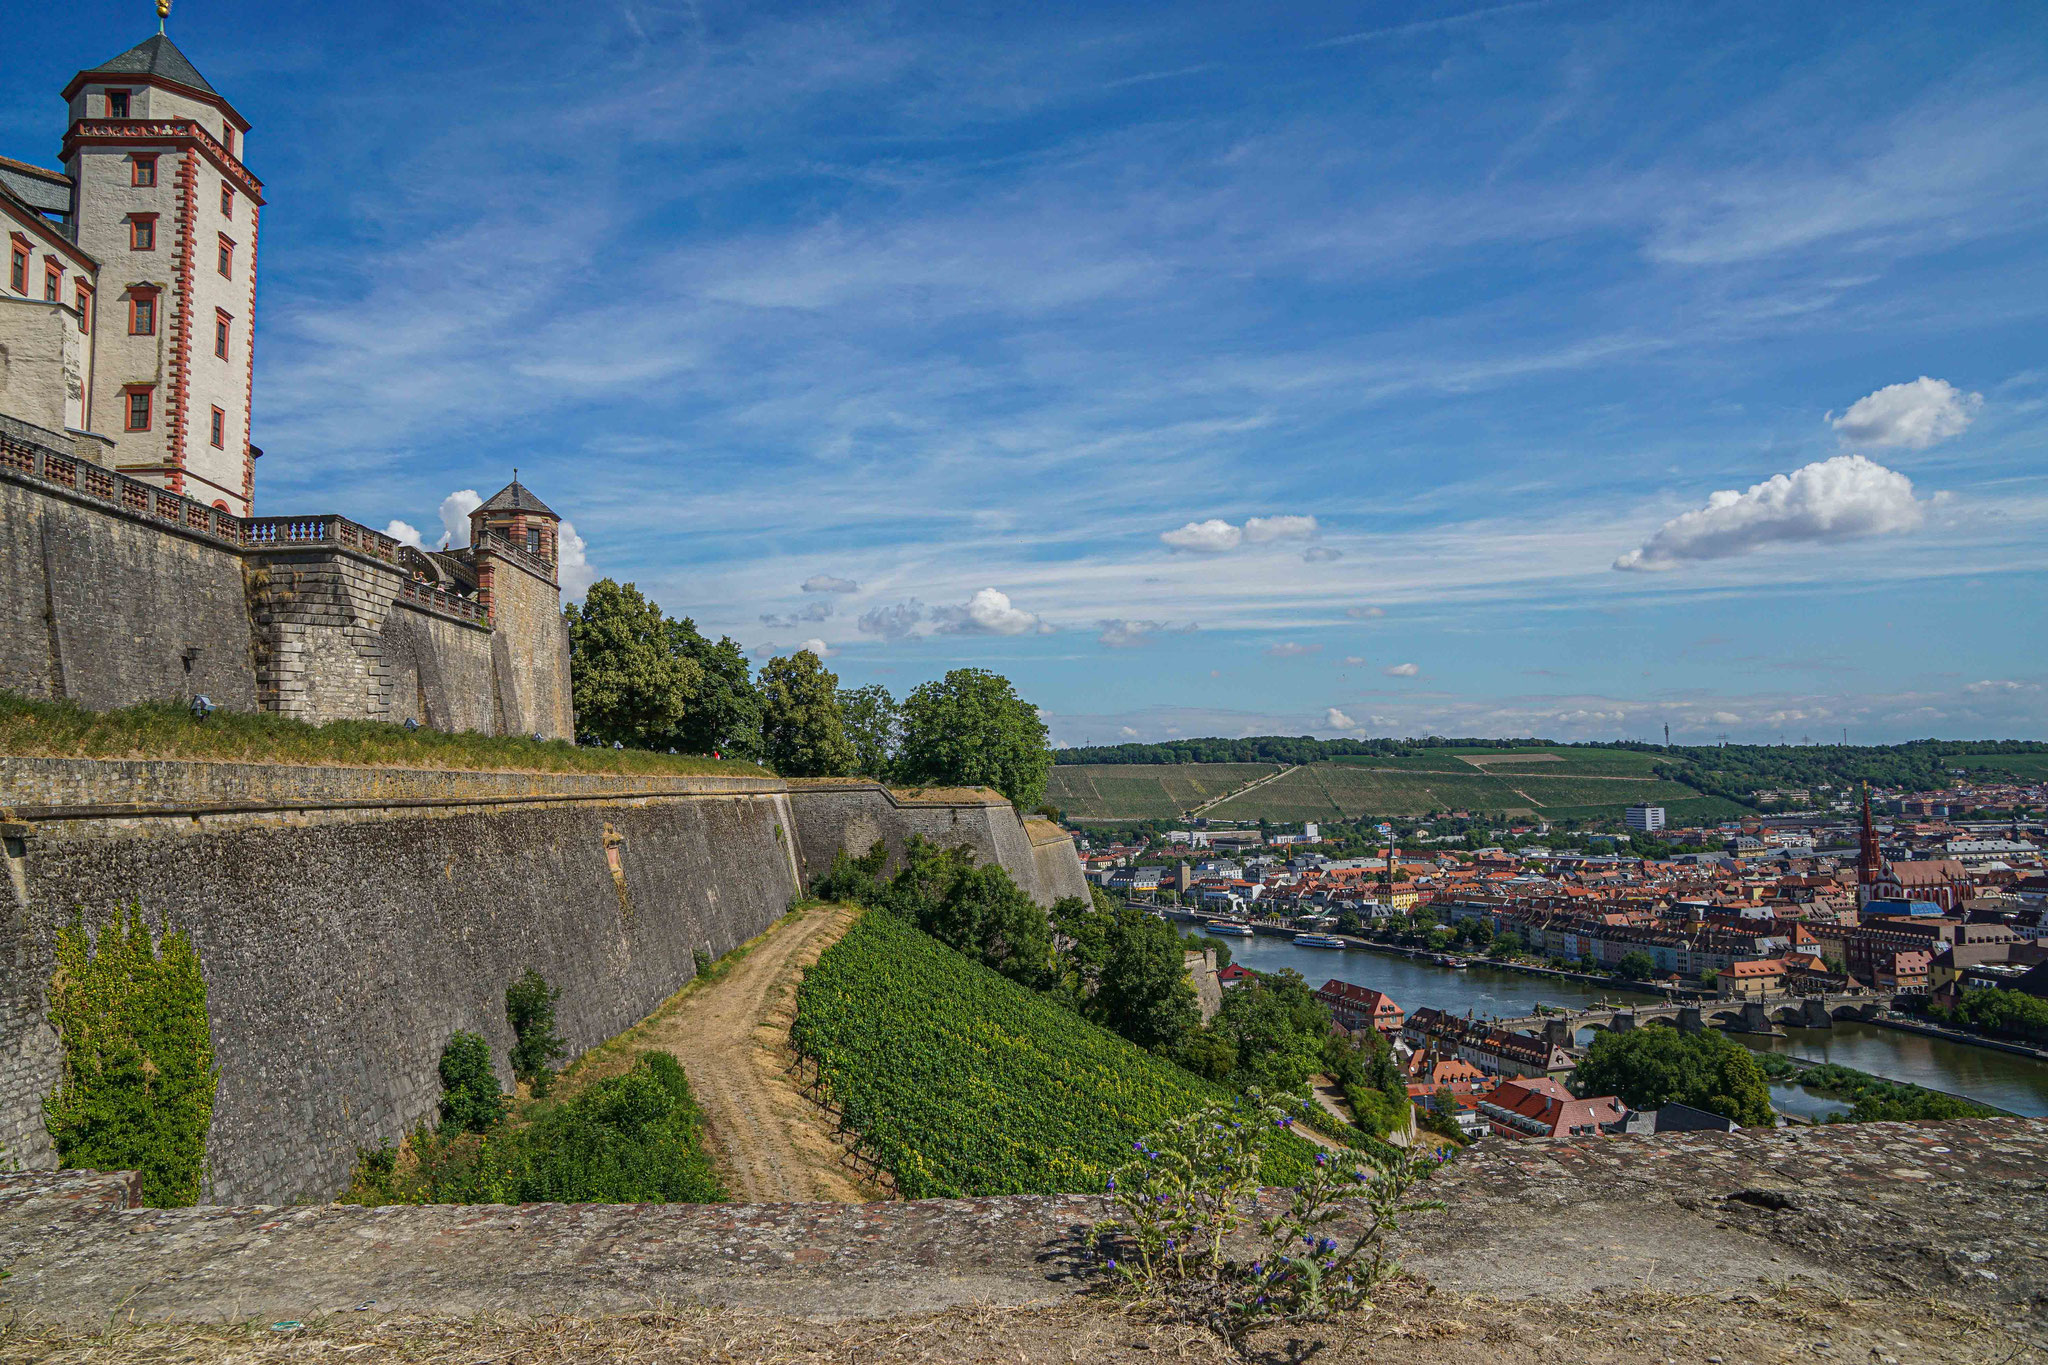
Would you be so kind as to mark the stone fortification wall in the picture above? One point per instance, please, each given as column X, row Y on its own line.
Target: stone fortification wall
column 533, row 648
column 834, row 814
column 107, row 610
column 439, row 673
column 349, row 919
column 114, row 592
column 176, row 786
column 342, row 946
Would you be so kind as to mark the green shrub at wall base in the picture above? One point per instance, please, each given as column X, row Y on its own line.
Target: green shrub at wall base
column 136, row 1083
column 530, row 1008
column 470, row 1099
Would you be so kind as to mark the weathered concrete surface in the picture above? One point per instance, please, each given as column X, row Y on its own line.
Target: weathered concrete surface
column 1898, row 1211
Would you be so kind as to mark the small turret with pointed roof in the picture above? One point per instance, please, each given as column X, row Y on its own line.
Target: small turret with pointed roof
column 514, row 515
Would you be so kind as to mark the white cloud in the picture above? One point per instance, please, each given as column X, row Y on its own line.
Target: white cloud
column 405, row 534
column 1208, row 537
column 1127, row 732
column 1118, row 633
column 1216, row 536
column 1258, row 530
column 989, row 612
column 810, row 611
column 1914, row 415
column 1337, row 720
column 1365, row 613
column 824, row 582
column 1290, row 650
column 455, row 510
column 1996, row 686
column 893, row 622
column 1838, row 499
column 816, row 646
column 1354, row 659
column 1320, row 554
column 572, row 563
column 1403, row 670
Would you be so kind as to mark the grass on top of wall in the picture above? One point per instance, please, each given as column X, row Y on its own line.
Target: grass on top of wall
column 167, row 730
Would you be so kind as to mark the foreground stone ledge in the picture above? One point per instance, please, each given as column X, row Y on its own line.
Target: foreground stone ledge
column 1898, row 1211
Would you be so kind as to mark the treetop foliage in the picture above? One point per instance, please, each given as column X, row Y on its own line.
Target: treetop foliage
column 801, row 732
column 1651, row 1067
column 972, row 729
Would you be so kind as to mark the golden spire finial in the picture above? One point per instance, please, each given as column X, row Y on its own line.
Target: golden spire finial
column 163, row 12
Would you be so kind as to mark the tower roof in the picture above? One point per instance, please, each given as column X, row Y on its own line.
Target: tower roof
column 516, row 497
column 155, row 55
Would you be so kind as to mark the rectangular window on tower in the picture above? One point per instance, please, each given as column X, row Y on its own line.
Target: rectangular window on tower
column 142, row 313
column 117, row 104
column 142, row 171
column 227, row 201
column 219, row 433
column 142, row 232
column 227, row 257
column 220, row 334
column 53, row 282
column 138, row 409
column 227, row 138
column 17, row 266
column 84, row 307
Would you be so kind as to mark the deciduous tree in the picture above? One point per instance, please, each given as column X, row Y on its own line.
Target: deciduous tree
column 801, row 732
column 874, row 726
column 628, row 683
column 971, row 729
column 1651, row 1067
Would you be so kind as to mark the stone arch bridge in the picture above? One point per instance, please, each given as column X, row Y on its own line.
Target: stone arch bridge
column 1736, row 1016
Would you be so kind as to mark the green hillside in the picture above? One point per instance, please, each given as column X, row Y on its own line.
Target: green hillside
column 1151, row 792
column 961, row 1082
column 2025, row 767
column 1585, row 784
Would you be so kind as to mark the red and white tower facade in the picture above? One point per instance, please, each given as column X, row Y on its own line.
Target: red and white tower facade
column 162, row 201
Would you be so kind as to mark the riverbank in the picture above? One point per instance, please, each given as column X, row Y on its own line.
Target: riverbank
column 1927, row 1030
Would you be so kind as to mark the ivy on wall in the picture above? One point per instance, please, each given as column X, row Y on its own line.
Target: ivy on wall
column 136, row 1085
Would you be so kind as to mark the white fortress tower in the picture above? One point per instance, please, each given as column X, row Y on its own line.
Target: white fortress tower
column 162, row 201
column 128, row 308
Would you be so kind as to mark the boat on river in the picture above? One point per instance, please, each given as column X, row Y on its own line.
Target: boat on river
column 1318, row 941
column 1228, row 928
column 1444, row 960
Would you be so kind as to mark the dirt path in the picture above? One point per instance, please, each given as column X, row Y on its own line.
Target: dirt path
column 771, row 1145
column 1231, row 796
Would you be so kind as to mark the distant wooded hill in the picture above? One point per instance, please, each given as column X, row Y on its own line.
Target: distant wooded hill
column 1347, row 778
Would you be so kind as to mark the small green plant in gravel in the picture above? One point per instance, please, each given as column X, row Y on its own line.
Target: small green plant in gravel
column 1187, row 1189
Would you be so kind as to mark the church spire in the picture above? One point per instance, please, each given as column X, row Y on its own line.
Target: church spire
column 1869, row 860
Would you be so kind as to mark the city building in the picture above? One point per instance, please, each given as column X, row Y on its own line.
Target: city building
column 1540, row 1107
column 1360, row 1007
column 1644, row 818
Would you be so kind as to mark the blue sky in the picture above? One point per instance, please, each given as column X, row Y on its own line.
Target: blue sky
column 1029, row 337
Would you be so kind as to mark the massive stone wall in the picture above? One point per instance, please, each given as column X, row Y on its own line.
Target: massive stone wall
column 108, row 611
column 532, row 649
column 113, row 592
column 348, row 920
column 834, row 815
column 341, row 948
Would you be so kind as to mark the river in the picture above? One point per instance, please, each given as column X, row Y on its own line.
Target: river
column 2001, row 1079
